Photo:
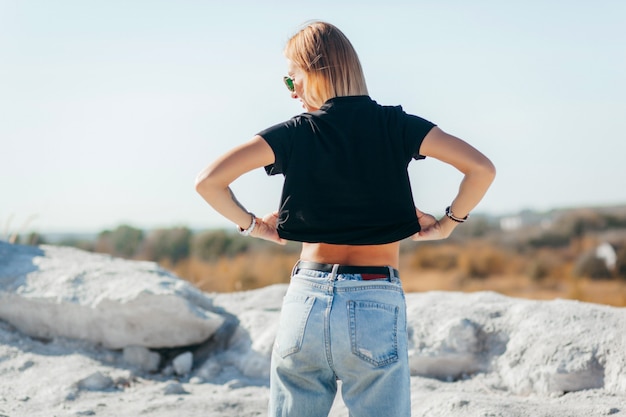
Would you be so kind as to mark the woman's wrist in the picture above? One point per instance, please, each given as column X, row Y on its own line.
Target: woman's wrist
column 248, row 230
column 447, row 225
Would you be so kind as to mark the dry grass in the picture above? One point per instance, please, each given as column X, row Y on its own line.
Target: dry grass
column 441, row 268
column 540, row 276
column 242, row 272
column 583, row 289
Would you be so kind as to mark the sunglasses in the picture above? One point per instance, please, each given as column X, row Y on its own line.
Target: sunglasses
column 289, row 83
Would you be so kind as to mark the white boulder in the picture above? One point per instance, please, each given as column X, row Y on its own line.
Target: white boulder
column 52, row 291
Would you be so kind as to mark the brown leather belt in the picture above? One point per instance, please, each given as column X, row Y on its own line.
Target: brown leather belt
column 366, row 272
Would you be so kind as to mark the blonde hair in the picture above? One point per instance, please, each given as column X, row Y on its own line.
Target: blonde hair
column 329, row 61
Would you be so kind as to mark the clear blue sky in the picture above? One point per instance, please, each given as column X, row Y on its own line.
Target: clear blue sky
column 108, row 109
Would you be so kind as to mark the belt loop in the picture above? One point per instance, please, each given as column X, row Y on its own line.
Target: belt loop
column 392, row 275
column 294, row 270
column 333, row 273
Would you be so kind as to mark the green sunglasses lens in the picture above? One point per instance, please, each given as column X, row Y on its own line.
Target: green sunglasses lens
column 289, row 83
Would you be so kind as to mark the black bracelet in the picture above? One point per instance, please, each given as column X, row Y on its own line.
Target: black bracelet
column 453, row 217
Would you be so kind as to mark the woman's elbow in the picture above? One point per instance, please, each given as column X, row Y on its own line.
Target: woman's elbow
column 489, row 167
column 487, row 170
column 203, row 182
column 481, row 169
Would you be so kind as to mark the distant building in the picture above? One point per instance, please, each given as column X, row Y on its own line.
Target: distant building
column 607, row 253
column 524, row 219
column 510, row 223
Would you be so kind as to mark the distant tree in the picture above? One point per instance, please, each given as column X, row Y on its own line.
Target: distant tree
column 620, row 267
column 211, row 245
column 590, row 266
column 103, row 243
column 615, row 222
column 173, row 244
column 35, row 239
column 87, row 245
column 124, row 241
column 578, row 223
column 550, row 239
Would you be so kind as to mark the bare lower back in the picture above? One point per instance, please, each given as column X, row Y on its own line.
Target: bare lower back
column 361, row 255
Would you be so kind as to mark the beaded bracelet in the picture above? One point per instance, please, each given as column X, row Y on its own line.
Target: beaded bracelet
column 453, row 217
column 246, row 232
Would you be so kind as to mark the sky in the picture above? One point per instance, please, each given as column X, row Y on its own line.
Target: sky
column 109, row 109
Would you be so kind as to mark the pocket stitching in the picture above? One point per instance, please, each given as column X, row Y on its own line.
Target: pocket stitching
column 393, row 354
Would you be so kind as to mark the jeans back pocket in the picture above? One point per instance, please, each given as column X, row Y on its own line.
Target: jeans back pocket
column 374, row 331
column 293, row 319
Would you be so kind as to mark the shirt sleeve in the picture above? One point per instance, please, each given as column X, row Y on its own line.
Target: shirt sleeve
column 415, row 130
column 279, row 139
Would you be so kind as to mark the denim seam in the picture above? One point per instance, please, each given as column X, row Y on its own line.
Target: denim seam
column 327, row 347
column 370, row 287
column 301, row 329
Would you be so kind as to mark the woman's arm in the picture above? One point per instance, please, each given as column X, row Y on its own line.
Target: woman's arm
column 478, row 172
column 213, row 184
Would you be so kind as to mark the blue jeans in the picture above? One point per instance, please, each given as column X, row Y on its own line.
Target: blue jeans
column 340, row 327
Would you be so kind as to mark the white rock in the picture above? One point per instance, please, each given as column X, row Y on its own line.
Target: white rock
column 167, row 371
column 209, row 370
column 95, row 382
column 142, row 358
column 533, row 346
column 52, row 291
column 258, row 311
column 182, row 363
column 174, row 388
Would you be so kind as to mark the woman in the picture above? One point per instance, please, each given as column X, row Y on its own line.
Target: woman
column 348, row 199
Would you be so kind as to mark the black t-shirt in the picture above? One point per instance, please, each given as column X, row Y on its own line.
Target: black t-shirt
column 345, row 168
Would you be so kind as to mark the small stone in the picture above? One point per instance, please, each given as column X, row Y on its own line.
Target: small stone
column 183, row 363
column 209, row 370
column 174, row 388
column 196, row 380
column 26, row 365
column 71, row 395
column 96, row 382
column 168, row 371
column 142, row 358
column 235, row 383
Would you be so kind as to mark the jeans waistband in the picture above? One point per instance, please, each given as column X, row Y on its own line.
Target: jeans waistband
column 366, row 272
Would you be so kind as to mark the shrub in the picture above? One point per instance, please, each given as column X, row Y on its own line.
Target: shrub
column 209, row 246
column 550, row 240
column 172, row 244
column 433, row 256
column 590, row 266
column 538, row 270
column 124, row 241
column 482, row 262
column 620, row 267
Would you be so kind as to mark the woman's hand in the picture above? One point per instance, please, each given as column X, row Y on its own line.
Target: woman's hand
column 266, row 229
column 431, row 228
